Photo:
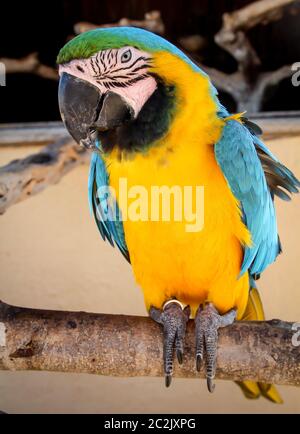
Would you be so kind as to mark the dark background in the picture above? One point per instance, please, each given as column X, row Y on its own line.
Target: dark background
column 44, row 27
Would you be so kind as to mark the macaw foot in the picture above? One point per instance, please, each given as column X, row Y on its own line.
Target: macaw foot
column 173, row 318
column 207, row 323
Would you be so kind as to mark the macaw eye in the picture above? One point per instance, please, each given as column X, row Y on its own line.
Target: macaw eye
column 126, row 56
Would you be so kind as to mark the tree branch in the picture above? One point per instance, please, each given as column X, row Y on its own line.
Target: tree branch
column 253, row 96
column 193, row 43
column 231, row 37
column 21, row 179
column 274, row 77
column 262, row 11
column 152, row 22
column 127, row 346
column 239, row 46
column 249, row 84
column 30, row 65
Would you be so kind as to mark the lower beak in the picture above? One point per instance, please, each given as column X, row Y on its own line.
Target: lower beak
column 85, row 111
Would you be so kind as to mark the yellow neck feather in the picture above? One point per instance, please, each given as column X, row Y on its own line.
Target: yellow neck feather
column 197, row 110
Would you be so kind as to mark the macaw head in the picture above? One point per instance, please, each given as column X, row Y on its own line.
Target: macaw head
column 122, row 86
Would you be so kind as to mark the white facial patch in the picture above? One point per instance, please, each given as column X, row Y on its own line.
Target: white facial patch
column 137, row 94
column 123, row 71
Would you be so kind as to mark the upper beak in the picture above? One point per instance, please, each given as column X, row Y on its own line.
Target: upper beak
column 84, row 110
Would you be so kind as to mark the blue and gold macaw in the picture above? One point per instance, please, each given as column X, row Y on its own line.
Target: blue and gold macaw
column 153, row 118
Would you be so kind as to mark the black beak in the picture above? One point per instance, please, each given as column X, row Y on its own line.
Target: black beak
column 85, row 111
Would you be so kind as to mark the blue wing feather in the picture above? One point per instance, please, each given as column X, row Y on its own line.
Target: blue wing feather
column 104, row 207
column 237, row 157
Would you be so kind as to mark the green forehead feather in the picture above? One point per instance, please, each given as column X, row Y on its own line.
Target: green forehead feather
column 89, row 43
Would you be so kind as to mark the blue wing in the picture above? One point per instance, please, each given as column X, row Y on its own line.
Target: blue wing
column 104, row 207
column 254, row 176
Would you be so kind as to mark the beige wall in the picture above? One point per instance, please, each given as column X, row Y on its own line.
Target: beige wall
column 51, row 257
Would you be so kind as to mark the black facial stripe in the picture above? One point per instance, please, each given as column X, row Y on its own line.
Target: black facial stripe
column 107, row 73
column 109, row 77
column 96, row 60
column 118, row 77
column 140, row 67
column 134, row 63
column 101, row 60
column 141, row 77
column 109, row 85
column 92, row 65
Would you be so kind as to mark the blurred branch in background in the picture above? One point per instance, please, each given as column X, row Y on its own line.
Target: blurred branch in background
column 152, row 22
column 259, row 12
column 29, row 65
column 248, row 85
column 128, row 346
column 24, row 178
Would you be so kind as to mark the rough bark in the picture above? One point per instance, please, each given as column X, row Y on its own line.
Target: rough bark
column 127, row 346
column 21, row 179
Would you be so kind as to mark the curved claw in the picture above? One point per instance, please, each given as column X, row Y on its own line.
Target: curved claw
column 210, row 385
column 199, row 361
column 207, row 322
column 179, row 355
column 173, row 319
column 168, row 380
